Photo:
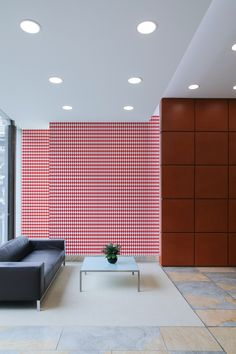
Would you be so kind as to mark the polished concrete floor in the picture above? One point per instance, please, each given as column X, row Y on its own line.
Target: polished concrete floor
column 211, row 293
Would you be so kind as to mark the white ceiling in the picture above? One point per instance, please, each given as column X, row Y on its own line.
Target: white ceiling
column 95, row 47
column 209, row 60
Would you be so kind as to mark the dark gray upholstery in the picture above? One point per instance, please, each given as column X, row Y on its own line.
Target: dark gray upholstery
column 27, row 267
column 52, row 259
column 15, row 250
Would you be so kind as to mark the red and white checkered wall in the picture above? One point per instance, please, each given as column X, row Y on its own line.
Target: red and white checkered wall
column 103, row 186
column 35, row 183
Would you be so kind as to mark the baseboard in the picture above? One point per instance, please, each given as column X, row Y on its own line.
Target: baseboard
column 79, row 258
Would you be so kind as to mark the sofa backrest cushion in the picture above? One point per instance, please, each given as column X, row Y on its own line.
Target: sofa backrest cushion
column 15, row 250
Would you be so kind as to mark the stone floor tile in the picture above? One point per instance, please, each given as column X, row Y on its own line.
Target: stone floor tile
column 226, row 337
column 91, row 352
column 232, row 293
column 189, row 339
column 88, row 352
column 111, row 338
column 181, row 269
column 218, row 317
column 227, row 286
column 187, row 276
column 29, row 338
column 42, row 352
column 223, row 277
column 141, row 352
column 209, row 302
column 206, row 295
column 196, row 352
column 58, row 352
column 217, row 269
column 201, row 288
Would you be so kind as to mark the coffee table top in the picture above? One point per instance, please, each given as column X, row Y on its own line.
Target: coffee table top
column 100, row 264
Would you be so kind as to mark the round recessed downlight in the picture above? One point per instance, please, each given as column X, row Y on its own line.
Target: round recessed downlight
column 135, row 80
column 193, row 87
column 30, row 26
column 128, row 108
column 55, row 80
column 67, row 108
column 146, row 27
column 234, row 87
column 234, row 47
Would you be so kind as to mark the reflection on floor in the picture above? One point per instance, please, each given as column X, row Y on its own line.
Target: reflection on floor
column 211, row 292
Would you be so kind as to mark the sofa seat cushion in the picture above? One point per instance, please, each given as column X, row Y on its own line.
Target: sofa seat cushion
column 52, row 260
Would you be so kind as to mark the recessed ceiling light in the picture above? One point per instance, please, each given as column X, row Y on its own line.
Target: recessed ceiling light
column 234, row 87
column 146, row 27
column 135, row 80
column 193, row 87
column 234, row 47
column 30, row 26
column 128, row 108
column 67, row 108
column 55, row 80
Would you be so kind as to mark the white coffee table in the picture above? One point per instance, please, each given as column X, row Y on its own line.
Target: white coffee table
column 100, row 264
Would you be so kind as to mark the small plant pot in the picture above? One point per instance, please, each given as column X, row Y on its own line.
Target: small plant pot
column 112, row 260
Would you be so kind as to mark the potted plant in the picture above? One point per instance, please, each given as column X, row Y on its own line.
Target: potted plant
column 111, row 251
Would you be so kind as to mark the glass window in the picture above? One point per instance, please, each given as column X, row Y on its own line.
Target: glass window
column 4, row 123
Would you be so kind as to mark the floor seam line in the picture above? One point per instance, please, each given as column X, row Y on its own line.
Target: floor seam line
column 185, row 298
column 163, row 340
column 216, row 339
column 59, row 338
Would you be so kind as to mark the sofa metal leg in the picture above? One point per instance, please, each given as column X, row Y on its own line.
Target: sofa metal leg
column 38, row 305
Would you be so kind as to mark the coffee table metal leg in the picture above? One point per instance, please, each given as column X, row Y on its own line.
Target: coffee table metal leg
column 138, row 280
column 80, row 282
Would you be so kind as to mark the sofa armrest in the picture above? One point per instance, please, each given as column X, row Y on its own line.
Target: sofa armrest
column 43, row 244
column 21, row 281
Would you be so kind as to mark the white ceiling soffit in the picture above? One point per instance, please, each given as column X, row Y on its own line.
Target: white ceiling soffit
column 95, row 47
column 209, row 60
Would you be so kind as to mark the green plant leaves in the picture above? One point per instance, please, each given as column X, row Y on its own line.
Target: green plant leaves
column 111, row 250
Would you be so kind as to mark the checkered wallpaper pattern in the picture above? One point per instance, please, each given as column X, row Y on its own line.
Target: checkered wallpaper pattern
column 35, row 183
column 104, row 186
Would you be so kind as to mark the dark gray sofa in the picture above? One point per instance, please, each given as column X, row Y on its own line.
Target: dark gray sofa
column 27, row 268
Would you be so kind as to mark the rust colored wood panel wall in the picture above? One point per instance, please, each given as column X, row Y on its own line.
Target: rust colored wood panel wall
column 198, row 182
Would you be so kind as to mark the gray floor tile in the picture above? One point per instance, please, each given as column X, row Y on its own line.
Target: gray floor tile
column 181, row 269
column 29, row 338
column 174, row 352
column 111, row 338
column 206, row 295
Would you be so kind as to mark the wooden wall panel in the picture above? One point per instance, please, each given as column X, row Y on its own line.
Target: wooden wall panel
column 211, row 215
column 178, row 215
column 179, row 115
column 232, row 181
column 232, row 148
column 177, row 148
column 211, row 181
column 211, row 115
column 211, row 249
column 178, row 249
column 232, row 249
column 210, row 164
column 232, row 115
column 211, row 148
column 177, row 182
